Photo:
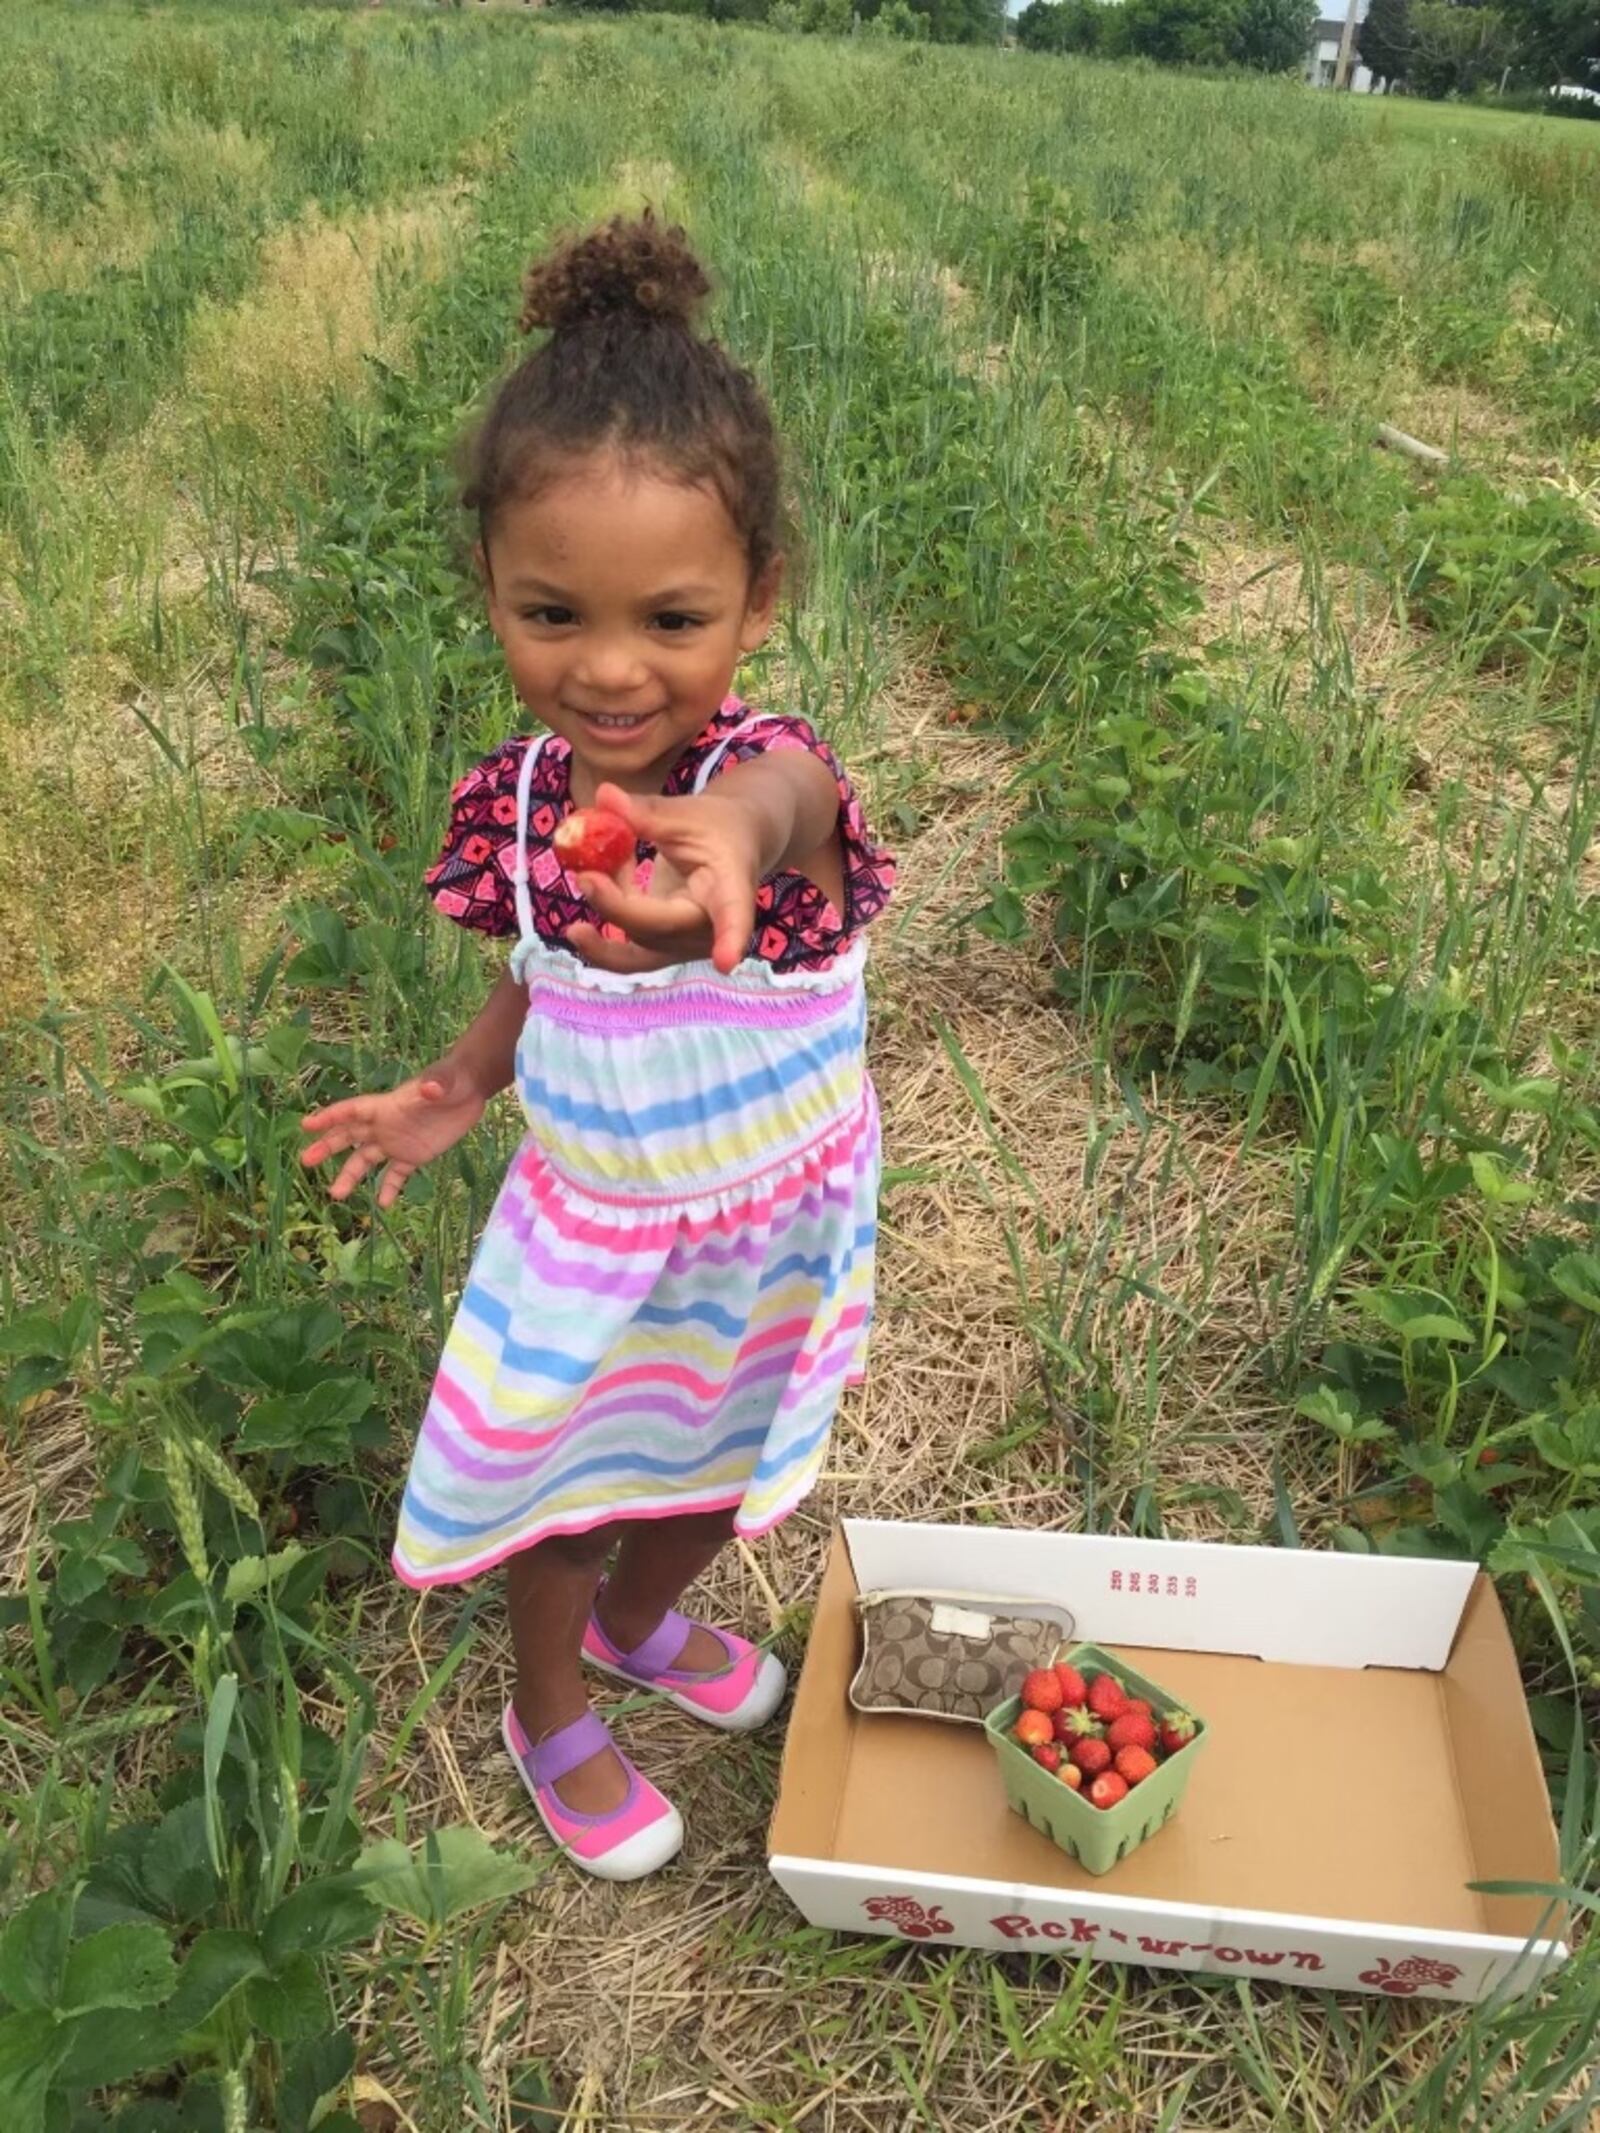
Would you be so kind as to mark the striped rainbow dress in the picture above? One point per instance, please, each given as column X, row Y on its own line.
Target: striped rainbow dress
column 675, row 1282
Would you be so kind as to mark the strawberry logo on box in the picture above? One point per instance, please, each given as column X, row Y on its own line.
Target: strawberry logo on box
column 908, row 1917
column 1403, row 1979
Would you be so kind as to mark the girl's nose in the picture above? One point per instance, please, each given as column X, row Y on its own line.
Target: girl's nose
column 611, row 669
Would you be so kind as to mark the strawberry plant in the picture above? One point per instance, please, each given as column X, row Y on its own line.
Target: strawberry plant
column 1457, row 332
column 86, row 1601
column 1508, row 575
column 1190, row 909
column 1042, row 257
column 1352, row 305
column 40, row 1348
column 187, row 1951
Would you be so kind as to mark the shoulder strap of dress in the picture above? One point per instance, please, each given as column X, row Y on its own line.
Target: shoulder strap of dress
column 708, row 768
column 519, row 870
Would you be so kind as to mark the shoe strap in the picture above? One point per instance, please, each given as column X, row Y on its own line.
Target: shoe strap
column 660, row 1649
column 558, row 1754
column 660, row 1652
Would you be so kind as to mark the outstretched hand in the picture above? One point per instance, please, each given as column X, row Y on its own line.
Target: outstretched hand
column 399, row 1129
column 701, row 900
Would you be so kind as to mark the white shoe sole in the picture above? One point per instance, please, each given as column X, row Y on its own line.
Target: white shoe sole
column 766, row 1693
column 645, row 1852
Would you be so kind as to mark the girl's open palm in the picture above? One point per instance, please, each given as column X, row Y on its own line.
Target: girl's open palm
column 399, row 1129
column 702, row 896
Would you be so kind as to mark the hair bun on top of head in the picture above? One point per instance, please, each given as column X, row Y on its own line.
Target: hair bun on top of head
column 642, row 269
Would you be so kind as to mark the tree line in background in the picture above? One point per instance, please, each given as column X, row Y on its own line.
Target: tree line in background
column 936, row 21
column 1435, row 48
column 1270, row 36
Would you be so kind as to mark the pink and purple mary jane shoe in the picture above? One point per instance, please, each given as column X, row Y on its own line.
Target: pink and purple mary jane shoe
column 623, row 1844
column 738, row 1697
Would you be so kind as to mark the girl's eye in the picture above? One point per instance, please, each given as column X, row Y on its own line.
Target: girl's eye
column 554, row 618
column 675, row 624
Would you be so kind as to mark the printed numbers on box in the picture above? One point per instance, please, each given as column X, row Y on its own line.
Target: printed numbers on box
column 1152, row 1584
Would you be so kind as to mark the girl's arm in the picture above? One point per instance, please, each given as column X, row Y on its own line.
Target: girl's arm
column 486, row 1051
column 398, row 1130
column 795, row 802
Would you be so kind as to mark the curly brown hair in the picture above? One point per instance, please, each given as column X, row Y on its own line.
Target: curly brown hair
column 624, row 368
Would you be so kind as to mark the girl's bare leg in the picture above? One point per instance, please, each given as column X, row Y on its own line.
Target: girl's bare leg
column 550, row 1590
column 657, row 1560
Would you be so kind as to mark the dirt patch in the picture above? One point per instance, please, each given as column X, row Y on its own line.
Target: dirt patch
column 92, row 876
column 1271, row 602
column 953, row 292
column 899, row 274
column 49, row 1471
column 1249, row 591
column 1461, row 420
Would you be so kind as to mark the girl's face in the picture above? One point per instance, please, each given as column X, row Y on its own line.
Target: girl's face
column 623, row 602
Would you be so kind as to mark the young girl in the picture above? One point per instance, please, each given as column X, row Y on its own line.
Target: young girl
column 676, row 1279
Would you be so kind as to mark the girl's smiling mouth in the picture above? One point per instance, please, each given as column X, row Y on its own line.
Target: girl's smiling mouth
column 620, row 724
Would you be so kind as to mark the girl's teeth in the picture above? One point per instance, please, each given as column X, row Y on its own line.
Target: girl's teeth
column 601, row 719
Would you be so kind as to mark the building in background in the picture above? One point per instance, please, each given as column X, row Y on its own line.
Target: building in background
column 1322, row 58
column 1322, row 64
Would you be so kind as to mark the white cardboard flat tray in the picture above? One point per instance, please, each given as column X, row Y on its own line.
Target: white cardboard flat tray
column 1408, row 1771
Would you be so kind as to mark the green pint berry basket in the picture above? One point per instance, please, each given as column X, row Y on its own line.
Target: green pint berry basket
column 1097, row 1837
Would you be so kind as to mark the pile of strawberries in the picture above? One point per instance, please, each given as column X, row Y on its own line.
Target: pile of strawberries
column 1095, row 1736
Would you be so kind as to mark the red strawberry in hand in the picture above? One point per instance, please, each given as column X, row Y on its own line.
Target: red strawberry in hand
column 1132, row 1730
column 1177, row 1730
column 1041, row 1691
column 1107, row 1696
column 593, row 841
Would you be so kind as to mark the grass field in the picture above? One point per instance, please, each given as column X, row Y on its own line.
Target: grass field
column 1234, row 1022
column 1468, row 125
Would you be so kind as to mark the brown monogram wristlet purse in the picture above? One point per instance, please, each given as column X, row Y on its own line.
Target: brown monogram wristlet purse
column 951, row 1655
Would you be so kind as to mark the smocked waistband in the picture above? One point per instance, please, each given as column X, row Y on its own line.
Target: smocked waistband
column 693, row 1004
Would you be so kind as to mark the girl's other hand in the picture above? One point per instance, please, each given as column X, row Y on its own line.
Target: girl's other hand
column 702, row 895
column 401, row 1129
